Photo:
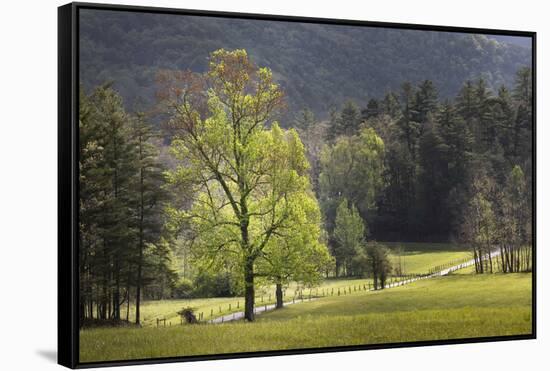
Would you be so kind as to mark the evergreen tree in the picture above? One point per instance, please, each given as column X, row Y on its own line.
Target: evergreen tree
column 410, row 129
column 372, row 110
column 426, row 101
column 346, row 123
column 391, row 106
column 148, row 198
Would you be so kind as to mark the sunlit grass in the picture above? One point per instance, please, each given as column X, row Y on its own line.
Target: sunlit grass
column 215, row 307
column 460, row 306
column 420, row 257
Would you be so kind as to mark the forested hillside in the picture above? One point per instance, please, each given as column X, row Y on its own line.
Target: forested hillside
column 317, row 66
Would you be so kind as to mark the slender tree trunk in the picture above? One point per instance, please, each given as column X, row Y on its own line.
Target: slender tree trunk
column 138, row 285
column 490, row 260
column 502, row 263
column 140, row 260
column 249, row 290
column 81, row 311
column 476, row 261
column 128, row 304
column 116, row 294
column 279, row 295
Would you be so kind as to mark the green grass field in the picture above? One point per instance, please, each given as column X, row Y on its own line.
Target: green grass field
column 458, row 306
column 418, row 258
column 153, row 309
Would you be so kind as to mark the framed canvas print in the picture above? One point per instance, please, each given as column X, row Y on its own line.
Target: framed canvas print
column 237, row 185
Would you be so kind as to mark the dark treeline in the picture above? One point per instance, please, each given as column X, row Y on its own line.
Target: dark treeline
column 122, row 247
column 414, row 165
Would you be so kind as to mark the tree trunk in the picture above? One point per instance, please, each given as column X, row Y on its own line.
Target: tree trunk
column 128, row 303
column 116, row 294
column 279, row 295
column 141, row 243
column 249, row 290
column 138, row 287
column 502, row 261
column 490, row 260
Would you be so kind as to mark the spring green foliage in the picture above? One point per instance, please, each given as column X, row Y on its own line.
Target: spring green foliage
column 480, row 226
column 349, row 236
column 351, row 169
column 253, row 210
column 378, row 264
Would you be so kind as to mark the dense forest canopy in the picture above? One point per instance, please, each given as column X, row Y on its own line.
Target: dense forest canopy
column 318, row 66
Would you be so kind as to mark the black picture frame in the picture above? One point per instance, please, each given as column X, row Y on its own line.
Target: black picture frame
column 68, row 186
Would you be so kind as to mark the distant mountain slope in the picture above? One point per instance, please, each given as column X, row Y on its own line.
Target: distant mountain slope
column 317, row 65
column 515, row 40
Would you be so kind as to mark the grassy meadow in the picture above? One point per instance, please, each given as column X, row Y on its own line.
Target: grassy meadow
column 417, row 258
column 167, row 309
column 453, row 307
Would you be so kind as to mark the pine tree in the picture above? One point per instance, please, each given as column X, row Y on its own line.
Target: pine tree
column 346, row 123
column 372, row 110
column 426, row 101
column 148, row 197
column 391, row 106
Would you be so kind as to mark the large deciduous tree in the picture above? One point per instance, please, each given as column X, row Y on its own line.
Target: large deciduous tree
column 249, row 178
